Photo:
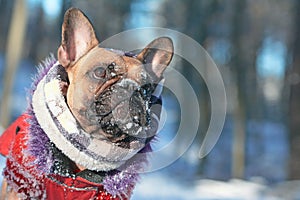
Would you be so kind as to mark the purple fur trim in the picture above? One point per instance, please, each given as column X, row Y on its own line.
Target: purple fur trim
column 43, row 69
column 121, row 183
column 39, row 143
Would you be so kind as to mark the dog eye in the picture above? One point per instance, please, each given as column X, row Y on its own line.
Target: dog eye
column 99, row 73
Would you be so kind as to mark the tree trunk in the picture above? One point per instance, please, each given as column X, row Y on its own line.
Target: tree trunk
column 13, row 56
column 294, row 120
column 239, row 134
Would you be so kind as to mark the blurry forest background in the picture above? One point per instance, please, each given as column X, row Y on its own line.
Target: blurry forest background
column 255, row 44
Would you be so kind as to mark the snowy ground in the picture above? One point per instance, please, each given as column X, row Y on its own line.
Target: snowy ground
column 159, row 187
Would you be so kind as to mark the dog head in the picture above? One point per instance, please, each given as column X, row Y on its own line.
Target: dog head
column 109, row 92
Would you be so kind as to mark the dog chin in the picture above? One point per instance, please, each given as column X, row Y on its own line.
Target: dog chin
column 126, row 142
column 110, row 131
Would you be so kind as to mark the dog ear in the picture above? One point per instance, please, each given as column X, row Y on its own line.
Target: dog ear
column 78, row 37
column 157, row 56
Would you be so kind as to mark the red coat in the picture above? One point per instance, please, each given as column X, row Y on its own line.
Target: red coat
column 28, row 182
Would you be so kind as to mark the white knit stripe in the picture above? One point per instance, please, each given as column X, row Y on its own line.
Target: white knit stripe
column 52, row 97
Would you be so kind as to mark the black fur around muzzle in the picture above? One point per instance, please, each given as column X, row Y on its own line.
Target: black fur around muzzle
column 124, row 112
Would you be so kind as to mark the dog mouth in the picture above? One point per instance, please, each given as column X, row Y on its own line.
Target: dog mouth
column 123, row 113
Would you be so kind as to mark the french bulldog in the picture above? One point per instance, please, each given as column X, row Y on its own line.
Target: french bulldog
column 110, row 95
